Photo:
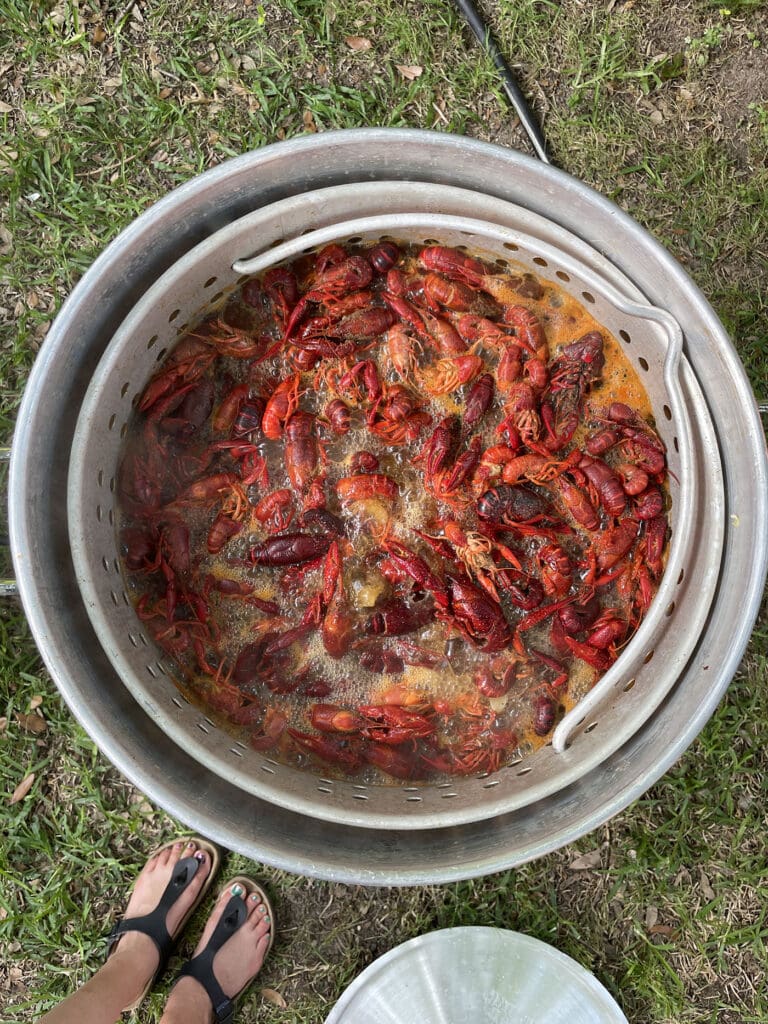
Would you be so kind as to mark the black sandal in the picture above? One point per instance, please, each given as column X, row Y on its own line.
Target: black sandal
column 153, row 924
column 200, row 967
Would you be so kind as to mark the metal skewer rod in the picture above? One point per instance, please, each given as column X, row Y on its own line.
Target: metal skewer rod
column 476, row 22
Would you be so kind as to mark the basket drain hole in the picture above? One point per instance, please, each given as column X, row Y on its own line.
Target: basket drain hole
column 511, row 246
column 540, row 261
column 589, row 297
column 648, row 657
column 625, row 337
column 563, row 276
column 359, row 796
column 124, row 389
column 643, row 364
column 210, row 281
column 322, row 789
column 173, row 315
column 667, row 412
column 670, row 609
column 590, row 727
column 627, row 687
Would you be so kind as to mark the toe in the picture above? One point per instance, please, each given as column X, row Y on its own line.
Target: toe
column 253, row 905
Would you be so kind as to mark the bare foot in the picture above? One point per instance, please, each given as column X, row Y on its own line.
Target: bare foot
column 135, row 952
column 234, row 965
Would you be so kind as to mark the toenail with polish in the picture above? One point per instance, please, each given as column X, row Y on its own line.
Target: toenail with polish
column 267, row 920
column 263, row 910
column 237, row 890
column 177, row 846
column 200, row 856
column 255, row 897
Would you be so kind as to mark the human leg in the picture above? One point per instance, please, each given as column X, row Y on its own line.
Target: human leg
column 134, row 960
column 235, row 964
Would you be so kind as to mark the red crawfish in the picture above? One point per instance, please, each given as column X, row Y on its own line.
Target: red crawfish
column 450, row 479
column 383, row 256
column 555, row 570
column 363, row 462
column 329, row 750
column 302, row 450
column 641, row 444
column 235, row 343
column 414, row 567
column 288, row 549
column 522, row 410
column 576, row 367
column 281, row 405
column 282, row 289
column 186, row 365
column 225, row 416
column 363, row 486
column 332, row 718
column 605, row 483
column 247, row 423
column 349, row 275
column 477, row 616
column 192, row 407
column 397, row 763
column 398, row 418
column 395, row 617
column 612, row 544
column 221, row 531
column 361, row 325
column 337, row 622
column 446, row 375
column 338, row 415
column 528, row 330
column 479, row 400
column 401, row 348
column 437, row 451
column 513, row 506
column 438, row 291
column 457, row 266
column 275, row 509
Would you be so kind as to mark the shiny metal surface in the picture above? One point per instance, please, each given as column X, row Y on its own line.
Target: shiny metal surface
column 85, row 677
column 483, row 975
column 624, row 697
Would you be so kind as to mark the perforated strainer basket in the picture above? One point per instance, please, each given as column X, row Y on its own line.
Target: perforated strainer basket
column 200, row 283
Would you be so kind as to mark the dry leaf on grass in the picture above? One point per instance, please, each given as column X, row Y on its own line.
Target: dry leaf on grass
column 32, row 723
column 6, row 240
column 358, row 42
column 35, row 702
column 309, row 121
column 274, row 997
column 589, row 860
column 410, row 71
column 706, row 889
column 22, row 789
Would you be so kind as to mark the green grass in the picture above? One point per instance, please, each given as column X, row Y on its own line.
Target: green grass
column 650, row 110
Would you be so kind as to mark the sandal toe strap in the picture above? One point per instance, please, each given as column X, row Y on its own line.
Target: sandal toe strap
column 200, row 967
column 153, row 924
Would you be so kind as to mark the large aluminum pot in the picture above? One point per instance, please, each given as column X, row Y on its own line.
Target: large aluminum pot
column 55, row 607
